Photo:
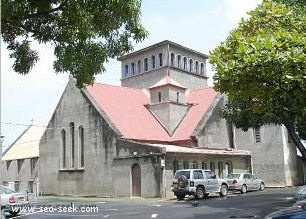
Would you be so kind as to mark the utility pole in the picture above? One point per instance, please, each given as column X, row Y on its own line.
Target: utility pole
column 1, row 140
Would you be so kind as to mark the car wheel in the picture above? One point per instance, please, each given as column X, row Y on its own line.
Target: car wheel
column 244, row 188
column 200, row 194
column 223, row 191
column 262, row 186
column 180, row 197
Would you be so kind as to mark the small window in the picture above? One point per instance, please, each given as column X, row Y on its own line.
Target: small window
column 153, row 62
column 220, row 169
column 30, row 186
column 177, row 97
column 257, row 135
column 172, row 59
column 195, row 165
column 72, row 144
column 185, row 63
column 179, row 61
column 204, row 165
column 19, row 164
column 33, row 162
column 81, row 146
column 64, row 148
column 229, row 167
column 17, row 186
column 175, row 166
column 202, row 69
column 133, row 68
column 186, row 165
column 159, row 97
column 197, row 67
column 160, row 55
column 145, row 64
column 126, row 71
column 139, row 66
column 8, row 164
column 190, row 65
column 212, row 166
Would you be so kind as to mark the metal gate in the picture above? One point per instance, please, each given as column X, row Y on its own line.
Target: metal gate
column 136, row 180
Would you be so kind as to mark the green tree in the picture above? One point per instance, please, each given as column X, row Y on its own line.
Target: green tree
column 85, row 33
column 261, row 67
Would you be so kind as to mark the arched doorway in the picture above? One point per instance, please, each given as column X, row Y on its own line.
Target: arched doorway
column 136, row 180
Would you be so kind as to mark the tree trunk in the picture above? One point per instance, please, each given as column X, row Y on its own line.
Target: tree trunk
column 295, row 138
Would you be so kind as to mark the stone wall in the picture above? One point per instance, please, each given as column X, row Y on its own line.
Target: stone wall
column 21, row 179
column 273, row 159
column 95, row 178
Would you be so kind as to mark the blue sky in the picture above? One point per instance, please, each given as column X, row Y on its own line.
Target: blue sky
column 198, row 24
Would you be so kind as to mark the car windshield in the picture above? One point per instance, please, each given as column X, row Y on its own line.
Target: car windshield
column 182, row 173
column 233, row 176
column 6, row 190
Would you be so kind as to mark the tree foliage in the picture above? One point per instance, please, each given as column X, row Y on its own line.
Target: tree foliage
column 85, row 33
column 261, row 67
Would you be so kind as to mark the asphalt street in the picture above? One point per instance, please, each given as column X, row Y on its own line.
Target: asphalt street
column 236, row 205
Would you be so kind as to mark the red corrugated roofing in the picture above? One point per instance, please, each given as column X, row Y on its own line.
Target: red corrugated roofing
column 126, row 108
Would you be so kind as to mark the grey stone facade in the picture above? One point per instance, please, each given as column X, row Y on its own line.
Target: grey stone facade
column 274, row 157
column 95, row 178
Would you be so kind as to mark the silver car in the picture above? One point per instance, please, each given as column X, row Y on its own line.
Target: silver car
column 301, row 193
column 197, row 182
column 244, row 182
column 11, row 199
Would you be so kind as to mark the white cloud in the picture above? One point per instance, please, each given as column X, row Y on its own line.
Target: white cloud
column 236, row 9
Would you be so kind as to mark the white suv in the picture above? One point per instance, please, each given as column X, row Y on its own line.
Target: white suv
column 197, row 182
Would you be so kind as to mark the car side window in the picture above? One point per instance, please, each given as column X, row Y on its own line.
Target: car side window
column 209, row 175
column 246, row 176
column 197, row 174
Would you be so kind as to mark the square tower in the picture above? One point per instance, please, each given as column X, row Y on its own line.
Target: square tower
column 146, row 67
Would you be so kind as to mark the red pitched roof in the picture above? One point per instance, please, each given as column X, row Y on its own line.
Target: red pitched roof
column 126, row 108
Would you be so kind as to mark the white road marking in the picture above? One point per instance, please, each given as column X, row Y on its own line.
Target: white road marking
column 72, row 215
column 109, row 209
column 154, row 215
column 100, row 202
column 106, row 215
column 157, row 205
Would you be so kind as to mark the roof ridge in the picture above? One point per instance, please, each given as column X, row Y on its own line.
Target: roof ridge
column 203, row 88
column 17, row 139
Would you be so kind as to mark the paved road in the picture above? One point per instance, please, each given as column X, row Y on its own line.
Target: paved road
column 250, row 205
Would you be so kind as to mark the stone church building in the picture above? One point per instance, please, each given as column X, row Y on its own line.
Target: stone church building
column 128, row 140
